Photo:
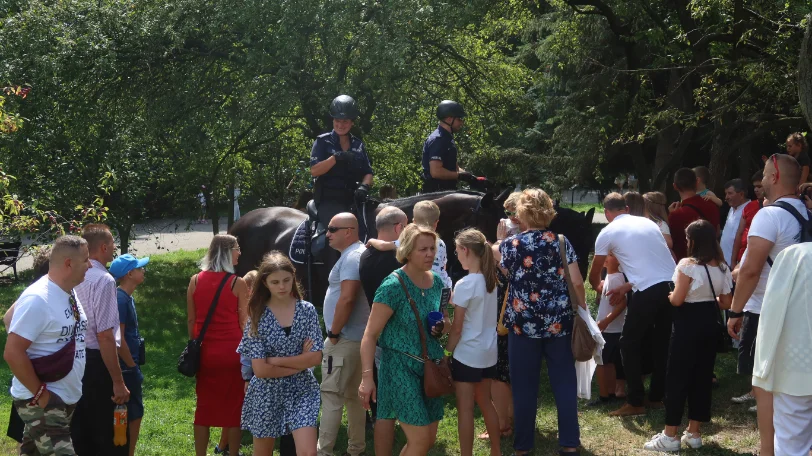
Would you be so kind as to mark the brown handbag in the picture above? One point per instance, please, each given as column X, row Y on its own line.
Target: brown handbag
column 437, row 380
column 583, row 345
column 501, row 329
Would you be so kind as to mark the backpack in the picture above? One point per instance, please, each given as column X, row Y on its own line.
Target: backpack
column 805, row 235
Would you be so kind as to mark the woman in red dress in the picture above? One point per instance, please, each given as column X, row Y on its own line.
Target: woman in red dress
column 220, row 387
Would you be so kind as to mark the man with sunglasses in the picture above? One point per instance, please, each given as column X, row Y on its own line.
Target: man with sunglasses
column 346, row 312
column 773, row 229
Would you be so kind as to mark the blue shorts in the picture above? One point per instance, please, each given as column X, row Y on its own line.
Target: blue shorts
column 133, row 378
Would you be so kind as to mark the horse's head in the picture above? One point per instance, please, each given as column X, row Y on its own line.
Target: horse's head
column 577, row 227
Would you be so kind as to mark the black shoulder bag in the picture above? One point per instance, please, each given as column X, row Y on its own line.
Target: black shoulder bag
column 189, row 361
column 721, row 343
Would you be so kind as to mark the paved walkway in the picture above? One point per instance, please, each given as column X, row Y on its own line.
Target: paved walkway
column 156, row 236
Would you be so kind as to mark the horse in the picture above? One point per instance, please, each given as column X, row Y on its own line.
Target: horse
column 272, row 228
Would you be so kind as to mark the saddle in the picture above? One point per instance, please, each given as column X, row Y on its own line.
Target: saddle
column 309, row 238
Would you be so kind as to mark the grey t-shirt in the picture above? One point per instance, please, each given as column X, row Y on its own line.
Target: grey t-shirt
column 347, row 269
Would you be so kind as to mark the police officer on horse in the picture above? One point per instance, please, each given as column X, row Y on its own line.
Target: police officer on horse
column 340, row 165
column 440, row 168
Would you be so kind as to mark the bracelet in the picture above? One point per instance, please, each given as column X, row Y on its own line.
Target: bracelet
column 732, row 314
column 365, row 371
column 36, row 397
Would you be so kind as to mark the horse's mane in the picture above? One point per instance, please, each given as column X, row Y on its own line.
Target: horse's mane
column 412, row 200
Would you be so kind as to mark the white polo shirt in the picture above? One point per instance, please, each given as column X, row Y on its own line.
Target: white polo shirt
column 640, row 248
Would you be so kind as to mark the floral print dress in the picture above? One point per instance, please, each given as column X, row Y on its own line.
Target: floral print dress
column 538, row 300
column 275, row 407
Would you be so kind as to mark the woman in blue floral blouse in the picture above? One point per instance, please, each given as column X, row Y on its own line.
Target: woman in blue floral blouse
column 539, row 316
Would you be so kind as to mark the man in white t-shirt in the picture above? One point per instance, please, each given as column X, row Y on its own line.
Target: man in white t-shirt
column 49, row 318
column 736, row 199
column 644, row 257
column 773, row 229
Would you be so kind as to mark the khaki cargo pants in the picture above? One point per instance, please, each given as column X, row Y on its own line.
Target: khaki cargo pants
column 340, row 379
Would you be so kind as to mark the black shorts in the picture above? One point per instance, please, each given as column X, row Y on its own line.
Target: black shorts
column 747, row 343
column 611, row 354
column 466, row 374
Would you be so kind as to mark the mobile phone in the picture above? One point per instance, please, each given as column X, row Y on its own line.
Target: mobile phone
column 445, row 297
column 671, row 286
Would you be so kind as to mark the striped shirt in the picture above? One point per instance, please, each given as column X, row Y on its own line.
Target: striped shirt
column 98, row 296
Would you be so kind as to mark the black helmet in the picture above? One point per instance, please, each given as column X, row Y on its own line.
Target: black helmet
column 344, row 107
column 448, row 108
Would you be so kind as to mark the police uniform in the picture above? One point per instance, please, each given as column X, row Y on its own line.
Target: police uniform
column 334, row 190
column 439, row 145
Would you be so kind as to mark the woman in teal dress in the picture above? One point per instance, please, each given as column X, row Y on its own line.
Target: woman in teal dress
column 392, row 326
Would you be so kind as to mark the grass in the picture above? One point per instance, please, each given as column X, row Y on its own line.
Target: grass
column 169, row 397
column 583, row 207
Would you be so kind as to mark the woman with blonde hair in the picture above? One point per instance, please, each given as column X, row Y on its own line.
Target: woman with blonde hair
column 392, row 326
column 656, row 210
column 219, row 385
column 540, row 317
column 283, row 340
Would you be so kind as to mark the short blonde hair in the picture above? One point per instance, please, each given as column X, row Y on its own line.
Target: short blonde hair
column 512, row 201
column 408, row 240
column 426, row 213
column 535, row 208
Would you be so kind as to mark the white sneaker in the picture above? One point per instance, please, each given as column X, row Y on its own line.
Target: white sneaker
column 753, row 409
column 690, row 440
column 743, row 398
column 662, row 443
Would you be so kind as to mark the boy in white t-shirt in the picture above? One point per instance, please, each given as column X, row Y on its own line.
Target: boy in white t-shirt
column 611, row 381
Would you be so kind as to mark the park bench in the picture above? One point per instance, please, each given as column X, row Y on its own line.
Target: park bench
column 10, row 254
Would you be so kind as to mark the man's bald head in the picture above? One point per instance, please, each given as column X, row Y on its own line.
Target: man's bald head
column 344, row 219
column 781, row 181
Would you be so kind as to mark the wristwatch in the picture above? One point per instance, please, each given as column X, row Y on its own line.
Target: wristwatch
column 732, row 314
column 330, row 335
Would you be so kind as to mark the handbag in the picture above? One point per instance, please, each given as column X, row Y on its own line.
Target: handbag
column 583, row 345
column 436, row 374
column 56, row 366
column 721, row 345
column 501, row 329
column 189, row 360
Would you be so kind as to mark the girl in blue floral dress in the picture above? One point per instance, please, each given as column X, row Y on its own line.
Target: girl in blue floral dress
column 284, row 342
column 539, row 316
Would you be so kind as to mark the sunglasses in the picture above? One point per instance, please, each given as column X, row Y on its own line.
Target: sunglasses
column 511, row 213
column 335, row 229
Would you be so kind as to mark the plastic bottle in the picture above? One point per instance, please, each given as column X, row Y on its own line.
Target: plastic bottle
column 120, row 425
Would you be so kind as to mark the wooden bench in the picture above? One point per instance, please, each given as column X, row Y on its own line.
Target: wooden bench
column 10, row 254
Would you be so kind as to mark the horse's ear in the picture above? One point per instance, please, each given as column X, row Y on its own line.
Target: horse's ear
column 590, row 215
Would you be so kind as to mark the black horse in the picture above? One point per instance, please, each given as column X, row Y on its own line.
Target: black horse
column 263, row 230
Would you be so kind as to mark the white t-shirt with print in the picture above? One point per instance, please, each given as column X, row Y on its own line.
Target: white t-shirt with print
column 778, row 226
column 611, row 282
column 477, row 345
column 640, row 248
column 44, row 316
column 700, row 290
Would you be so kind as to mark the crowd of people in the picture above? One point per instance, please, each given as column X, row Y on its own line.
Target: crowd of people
column 664, row 274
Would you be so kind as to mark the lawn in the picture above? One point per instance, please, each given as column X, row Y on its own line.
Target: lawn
column 170, row 402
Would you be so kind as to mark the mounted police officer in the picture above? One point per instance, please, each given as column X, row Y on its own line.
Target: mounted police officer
column 340, row 165
column 440, row 168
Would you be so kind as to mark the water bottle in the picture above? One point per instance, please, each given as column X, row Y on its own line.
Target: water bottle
column 120, row 425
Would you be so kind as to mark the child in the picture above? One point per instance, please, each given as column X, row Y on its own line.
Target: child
column 699, row 280
column 611, row 381
column 426, row 213
column 283, row 340
column 473, row 338
column 702, row 178
column 130, row 273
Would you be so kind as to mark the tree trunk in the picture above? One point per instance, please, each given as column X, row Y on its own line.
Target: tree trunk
column 720, row 152
column 230, row 211
column 668, row 139
column 805, row 73
column 124, row 230
column 212, row 211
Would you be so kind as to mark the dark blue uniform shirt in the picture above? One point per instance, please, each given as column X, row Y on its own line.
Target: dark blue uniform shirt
column 440, row 145
column 343, row 175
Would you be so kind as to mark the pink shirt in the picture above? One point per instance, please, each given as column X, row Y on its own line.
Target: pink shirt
column 98, row 297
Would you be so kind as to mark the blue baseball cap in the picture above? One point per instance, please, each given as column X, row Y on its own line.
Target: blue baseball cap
column 126, row 263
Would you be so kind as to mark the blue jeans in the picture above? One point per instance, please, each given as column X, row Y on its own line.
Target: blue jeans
column 525, row 356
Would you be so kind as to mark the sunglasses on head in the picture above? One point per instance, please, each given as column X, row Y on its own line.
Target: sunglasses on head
column 334, row 229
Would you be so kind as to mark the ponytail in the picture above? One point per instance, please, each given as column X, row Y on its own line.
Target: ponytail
column 475, row 241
